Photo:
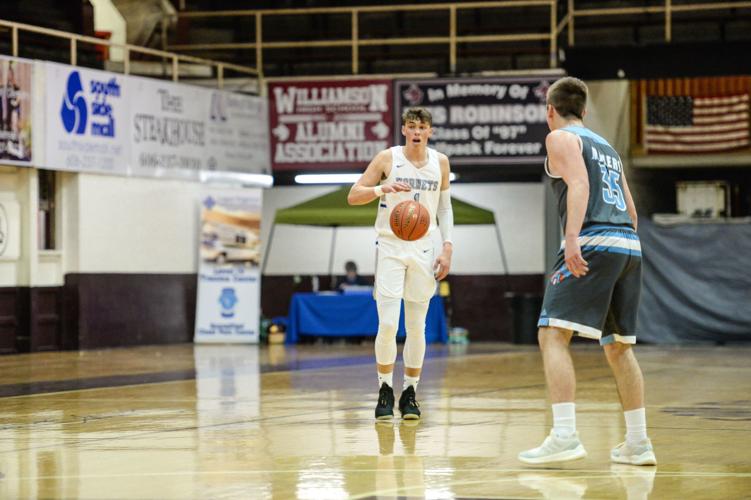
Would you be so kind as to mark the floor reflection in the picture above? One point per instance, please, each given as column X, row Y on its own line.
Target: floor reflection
column 227, row 421
column 637, row 482
column 401, row 473
column 554, row 487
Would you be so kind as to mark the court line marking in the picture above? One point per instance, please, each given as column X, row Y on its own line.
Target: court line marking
column 448, row 358
column 565, row 474
column 85, row 442
column 452, row 484
column 441, row 354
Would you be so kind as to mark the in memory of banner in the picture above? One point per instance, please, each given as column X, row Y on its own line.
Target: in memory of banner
column 229, row 277
column 15, row 110
column 481, row 121
column 110, row 123
column 329, row 125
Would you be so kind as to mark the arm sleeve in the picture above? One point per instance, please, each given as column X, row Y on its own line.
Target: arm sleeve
column 445, row 216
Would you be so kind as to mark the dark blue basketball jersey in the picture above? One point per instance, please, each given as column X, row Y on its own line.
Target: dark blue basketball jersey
column 607, row 201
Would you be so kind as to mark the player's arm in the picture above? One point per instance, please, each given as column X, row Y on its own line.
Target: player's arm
column 564, row 155
column 367, row 187
column 630, row 206
column 445, row 216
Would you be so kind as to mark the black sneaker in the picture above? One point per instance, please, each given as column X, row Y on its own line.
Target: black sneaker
column 408, row 405
column 385, row 407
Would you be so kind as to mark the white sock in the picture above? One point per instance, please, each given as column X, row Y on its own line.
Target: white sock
column 411, row 381
column 388, row 378
column 564, row 419
column 636, row 425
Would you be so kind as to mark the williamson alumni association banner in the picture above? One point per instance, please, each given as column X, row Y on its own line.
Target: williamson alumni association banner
column 328, row 125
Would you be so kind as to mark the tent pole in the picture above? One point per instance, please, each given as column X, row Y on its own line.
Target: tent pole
column 268, row 248
column 503, row 251
column 331, row 255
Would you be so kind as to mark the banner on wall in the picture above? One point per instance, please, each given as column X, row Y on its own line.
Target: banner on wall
column 481, row 121
column 168, row 130
column 229, row 277
column 329, row 124
column 237, row 132
column 15, row 110
column 87, row 114
column 110, row 123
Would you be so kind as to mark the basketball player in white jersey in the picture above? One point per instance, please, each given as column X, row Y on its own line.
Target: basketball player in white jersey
column 406, row 269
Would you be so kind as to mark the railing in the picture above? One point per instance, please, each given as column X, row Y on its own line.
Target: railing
column 569, row 20
column 127, row 49
column 355, row 42
column 451, row 39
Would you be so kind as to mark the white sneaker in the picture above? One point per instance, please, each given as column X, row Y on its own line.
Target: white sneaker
column 634, row 454
column 555, row 449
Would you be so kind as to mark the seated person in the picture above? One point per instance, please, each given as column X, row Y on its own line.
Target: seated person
column 351, row 279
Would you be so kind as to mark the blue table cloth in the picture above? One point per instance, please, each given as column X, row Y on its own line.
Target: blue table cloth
column 352, row 315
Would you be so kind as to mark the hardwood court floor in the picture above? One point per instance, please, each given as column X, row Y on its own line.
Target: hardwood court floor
column 246, row 422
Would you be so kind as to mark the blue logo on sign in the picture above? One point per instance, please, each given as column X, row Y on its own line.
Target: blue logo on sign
column 73, row 111
column 228, row 299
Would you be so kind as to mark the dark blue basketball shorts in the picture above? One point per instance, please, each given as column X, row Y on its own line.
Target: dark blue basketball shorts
column 602, row 304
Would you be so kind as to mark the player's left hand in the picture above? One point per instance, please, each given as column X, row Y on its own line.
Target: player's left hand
column 442, row 266
column 574, row 260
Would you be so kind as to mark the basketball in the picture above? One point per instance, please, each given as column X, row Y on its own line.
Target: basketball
column 409, row 220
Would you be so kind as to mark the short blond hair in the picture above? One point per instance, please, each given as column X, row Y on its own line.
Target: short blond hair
column 418, row 114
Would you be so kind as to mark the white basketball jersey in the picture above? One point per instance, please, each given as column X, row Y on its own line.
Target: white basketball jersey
column 425, row 183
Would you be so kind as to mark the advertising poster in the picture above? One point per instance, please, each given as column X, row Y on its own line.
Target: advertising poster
column 481, row 121
column 86, row 119
column 237, row 132
column 15, row 110
column 329, row 125
column 229, row 277
column 168, row 129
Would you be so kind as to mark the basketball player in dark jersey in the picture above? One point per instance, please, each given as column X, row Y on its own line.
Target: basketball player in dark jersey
column 595, row 286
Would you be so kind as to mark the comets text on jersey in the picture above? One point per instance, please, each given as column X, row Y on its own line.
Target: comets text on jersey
column 419, row 184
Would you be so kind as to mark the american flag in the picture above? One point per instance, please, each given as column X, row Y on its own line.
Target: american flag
column 686, row 124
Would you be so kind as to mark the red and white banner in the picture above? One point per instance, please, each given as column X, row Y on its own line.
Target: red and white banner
column 329, row 125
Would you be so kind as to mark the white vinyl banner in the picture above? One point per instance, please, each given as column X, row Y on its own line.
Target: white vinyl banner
column 237, row 133
column 115, row 124
column 229, row 279
column 86, row 120
column 168, row 128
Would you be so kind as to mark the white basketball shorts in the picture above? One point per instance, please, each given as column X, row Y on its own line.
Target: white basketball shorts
column 404, row 269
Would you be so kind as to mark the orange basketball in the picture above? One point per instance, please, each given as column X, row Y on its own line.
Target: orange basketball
column 409, row 220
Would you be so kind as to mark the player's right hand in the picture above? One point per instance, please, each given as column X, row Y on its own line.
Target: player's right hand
column 574, row 260
column 395, row 187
